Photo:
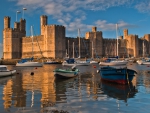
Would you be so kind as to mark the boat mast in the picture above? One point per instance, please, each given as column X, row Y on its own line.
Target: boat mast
column 32, row 39
column 117, row 37
column 68, row 48
column 143, row 48
column 73, row 49
column 79, row 42
column 92, row 50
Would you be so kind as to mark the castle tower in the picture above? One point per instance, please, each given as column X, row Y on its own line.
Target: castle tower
column 6, row 22
column 54, row 35
column 94, row 29
column 17, row 25
column 12, row 39
column 125, row 33
column 22, row 25
column 96, row 40
column 43, row 20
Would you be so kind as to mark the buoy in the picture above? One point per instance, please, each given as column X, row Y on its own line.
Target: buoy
column 94, row 66
column 32, row 73
column 148, row 66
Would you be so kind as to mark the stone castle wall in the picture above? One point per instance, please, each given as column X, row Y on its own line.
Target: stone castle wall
column 52, row 43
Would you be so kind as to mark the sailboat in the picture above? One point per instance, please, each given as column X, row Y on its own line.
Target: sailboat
column 28, row 62
column 114, row 61
column 78, row 61
column 93, row 61
column 144, row 61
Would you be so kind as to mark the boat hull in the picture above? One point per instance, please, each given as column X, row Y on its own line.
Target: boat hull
column 121, row 76
column 29, row 64
column 7, row 73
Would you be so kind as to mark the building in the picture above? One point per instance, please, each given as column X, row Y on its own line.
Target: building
column 52, row 43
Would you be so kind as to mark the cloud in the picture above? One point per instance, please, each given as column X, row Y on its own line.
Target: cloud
column 143, row 6
column 72, row 13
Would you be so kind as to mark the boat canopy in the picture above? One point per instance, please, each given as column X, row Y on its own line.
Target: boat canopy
column 71, row 60
column 26, row 59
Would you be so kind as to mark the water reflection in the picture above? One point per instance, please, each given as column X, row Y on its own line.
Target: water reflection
column 41, row 92
column 120, row 92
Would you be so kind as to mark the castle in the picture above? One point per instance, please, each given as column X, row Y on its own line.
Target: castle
column 52, row 43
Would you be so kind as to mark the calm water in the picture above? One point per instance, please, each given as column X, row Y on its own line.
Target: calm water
column 42, row 93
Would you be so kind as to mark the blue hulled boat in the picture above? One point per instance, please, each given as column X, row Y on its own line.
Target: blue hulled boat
column 117, row 75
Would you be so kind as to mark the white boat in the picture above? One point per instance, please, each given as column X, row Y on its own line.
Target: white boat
column 66, row 73
column 113, row 62
column 93, row 62
column 51, row 62
column 29, row 61
column 29, row 64
column 5, row 72
column 143, row 62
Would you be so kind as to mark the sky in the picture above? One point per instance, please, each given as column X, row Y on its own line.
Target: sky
column 133, row 15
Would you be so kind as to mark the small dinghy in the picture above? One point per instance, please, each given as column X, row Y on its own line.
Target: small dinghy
column 66, row 73
column 5, row 72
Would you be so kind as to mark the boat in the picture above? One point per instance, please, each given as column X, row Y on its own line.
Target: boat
column 93, row 62
column 113, row 62
column 5, row 72
column 66, row 73
column 121, row 75
column 72, row 62
column 51, row 62
column 144, row 61
column 29, row 61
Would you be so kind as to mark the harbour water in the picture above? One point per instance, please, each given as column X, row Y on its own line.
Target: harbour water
column 42, row 93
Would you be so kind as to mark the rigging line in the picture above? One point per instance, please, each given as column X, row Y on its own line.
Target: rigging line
column 38, row 44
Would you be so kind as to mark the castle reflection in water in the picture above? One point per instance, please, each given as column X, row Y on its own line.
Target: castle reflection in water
column 43, row 90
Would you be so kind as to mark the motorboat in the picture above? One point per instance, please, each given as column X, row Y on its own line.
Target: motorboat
column 121, row 75
column 5, row 72
column 66, row 73
column 51, row 62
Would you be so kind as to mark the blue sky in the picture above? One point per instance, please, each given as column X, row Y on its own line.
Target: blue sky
column 74, row 14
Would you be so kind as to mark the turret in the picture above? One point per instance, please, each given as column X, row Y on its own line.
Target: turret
column 43, row 22
column 94, row 29
column 6, row 22
column 17, row 25
column 22, row 25
column 125, row 33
